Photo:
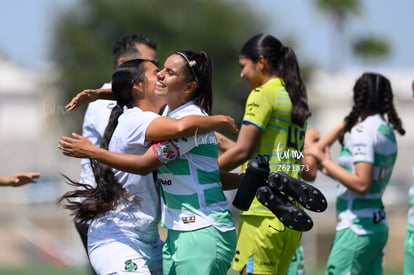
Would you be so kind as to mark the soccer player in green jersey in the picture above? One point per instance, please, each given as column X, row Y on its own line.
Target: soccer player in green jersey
column 363, row 170
column 409, row 234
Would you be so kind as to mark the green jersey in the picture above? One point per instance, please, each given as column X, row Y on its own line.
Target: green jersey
column 411, row 203
column 191, row 191
column 372, row 141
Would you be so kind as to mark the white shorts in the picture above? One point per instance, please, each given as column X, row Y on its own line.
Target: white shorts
column 115, row 257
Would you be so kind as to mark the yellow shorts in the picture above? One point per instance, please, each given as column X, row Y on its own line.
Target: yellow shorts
column 264, row 245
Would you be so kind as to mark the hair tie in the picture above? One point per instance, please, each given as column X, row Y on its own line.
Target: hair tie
column 190, row 64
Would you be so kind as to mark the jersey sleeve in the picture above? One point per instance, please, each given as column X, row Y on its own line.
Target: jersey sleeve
column 258, row 109
column 362, row 144
column 89, row 129
column 171, row 150
column 139, row 128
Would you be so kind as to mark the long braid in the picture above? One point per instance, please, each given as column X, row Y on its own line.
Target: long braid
column 395, row 121
column 108, row 191
column 360, row 98
column 392, row 114
column 372, row 95
column 105, row 196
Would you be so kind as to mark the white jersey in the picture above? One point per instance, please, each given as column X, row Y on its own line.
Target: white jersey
column 136, row 220
column 131, row 230
column 192, row 195
column 93, row 128
column 372, row 141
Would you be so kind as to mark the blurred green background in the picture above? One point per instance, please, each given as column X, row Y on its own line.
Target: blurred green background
column 37, row 235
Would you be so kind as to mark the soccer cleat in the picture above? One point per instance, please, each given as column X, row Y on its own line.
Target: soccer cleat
column 307, row 195
column 289, row 214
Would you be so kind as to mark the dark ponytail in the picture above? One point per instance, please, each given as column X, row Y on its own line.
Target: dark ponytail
column 108, row 192
column 198, row 68
column 284, row 63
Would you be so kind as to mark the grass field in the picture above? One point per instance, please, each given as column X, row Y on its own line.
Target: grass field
column 27, row 251
column 43, row 270
column 47, row 270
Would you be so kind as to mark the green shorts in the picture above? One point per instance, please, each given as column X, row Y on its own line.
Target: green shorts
column 356, row 254
column 265, row 245
column 206, row 251
column 297, row 265
column 409, row 253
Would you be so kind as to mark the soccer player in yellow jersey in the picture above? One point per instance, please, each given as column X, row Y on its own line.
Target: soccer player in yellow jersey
column 274, row 124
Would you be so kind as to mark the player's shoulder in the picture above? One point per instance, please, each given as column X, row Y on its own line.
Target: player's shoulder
column 273, row 85
column 102, row 104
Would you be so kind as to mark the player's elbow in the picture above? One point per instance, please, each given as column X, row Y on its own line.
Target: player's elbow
column 362, row 188
column 141, row 171
column 244, row 154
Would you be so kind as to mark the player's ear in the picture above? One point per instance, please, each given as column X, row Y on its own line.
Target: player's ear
column 262, row 64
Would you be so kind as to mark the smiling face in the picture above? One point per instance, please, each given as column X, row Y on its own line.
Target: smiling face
column 171, row 85
column 149, row 84
column 250, row 72
column 143, row 88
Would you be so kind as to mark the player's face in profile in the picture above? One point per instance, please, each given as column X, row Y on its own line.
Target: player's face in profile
column 171, row 78
column 249, row 71
column 149, row 83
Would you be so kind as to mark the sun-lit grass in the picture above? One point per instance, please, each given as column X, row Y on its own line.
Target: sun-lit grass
column 43, row 270
column 48, row 270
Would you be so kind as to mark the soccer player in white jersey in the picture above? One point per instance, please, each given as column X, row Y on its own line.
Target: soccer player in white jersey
column 363, row 170
column 128, row 47
column 201, row 234
column 123, row 209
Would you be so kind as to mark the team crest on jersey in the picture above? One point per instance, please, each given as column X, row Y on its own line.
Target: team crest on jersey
column 166, row 151
column 190, row 219
column 130, row 266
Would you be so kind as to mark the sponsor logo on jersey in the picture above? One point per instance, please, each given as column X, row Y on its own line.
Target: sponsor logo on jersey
column 252, row 105
column 164, row 182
